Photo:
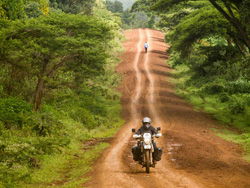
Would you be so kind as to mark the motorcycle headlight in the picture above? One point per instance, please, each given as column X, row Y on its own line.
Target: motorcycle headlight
column 147, row 141
column 147, row 138
column 147, row 146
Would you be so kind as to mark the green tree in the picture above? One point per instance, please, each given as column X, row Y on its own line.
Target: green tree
column 232, row 10
column 12, row 9
column 115, row 7
column 110, row 6
column 74, row 6
column 32, row 9
column 16, row 9
column 50, row 52
column 118, row 7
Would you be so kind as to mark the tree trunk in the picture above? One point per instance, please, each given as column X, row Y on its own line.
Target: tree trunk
column 40, row 85
column 229, row 42
column 38, row 94
column 234, row 22
column 11, row 81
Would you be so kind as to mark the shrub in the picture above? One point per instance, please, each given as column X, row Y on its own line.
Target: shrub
column 238, row 103
column 11, row 110
column 239, row 86
column 224, row 97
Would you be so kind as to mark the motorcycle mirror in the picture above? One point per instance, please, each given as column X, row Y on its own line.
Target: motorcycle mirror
column 158, row 128
column 133, row 130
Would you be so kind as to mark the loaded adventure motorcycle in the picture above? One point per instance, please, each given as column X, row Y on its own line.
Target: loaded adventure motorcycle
column 146, row 151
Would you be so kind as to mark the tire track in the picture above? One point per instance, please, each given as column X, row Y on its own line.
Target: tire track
column 151, row 99
column 164, row 174
column 134, row 102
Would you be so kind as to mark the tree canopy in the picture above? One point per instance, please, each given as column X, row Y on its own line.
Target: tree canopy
column 115, row 7
column 57, row 80
column 17, row 9
column 73, row 6
column 59, row 43
column 235, row 12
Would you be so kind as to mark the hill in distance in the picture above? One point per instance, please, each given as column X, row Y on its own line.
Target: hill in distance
column 126, row 3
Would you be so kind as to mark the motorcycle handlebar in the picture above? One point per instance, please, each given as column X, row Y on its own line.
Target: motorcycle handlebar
column 137, row 136
column 157, row 135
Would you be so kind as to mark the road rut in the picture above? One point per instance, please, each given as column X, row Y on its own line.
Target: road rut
column 193, row 156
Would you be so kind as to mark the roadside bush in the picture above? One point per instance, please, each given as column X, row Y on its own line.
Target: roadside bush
column 11, row 110
column 215, row 86
column 19, row 155
column 25, row 136
column 237, row 105
column 175, row 59
column 239, row 86
column 215, row 60
column 224, row 97
column 1, row 127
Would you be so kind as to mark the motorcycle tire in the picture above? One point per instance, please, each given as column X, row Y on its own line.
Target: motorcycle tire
column 147, row 156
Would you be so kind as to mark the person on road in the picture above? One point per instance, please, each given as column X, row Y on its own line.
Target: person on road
column 147, row 127
column 146, row 47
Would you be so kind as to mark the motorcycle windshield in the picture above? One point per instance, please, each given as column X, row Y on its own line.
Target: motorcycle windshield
column 146, row 135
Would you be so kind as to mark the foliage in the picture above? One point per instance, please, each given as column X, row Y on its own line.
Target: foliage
column 196, row 26
column 25, row 136
column 229, row 102
column 32, row 9
column 232, row 24
column 73, row 6
column 210, row 38
column 45, row 56
column 18, row 9
column 115, row 7
column 57, row 88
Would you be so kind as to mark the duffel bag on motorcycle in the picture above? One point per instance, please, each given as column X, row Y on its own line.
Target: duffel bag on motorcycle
column 158, row 154
column 136, row 153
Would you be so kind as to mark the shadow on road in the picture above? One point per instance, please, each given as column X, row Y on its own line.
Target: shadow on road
column 162, row 53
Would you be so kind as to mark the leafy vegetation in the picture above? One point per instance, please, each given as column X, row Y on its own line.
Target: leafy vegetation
column 57, row 90
column 210, row 51
column 73, row 6
column 131, row 18
column 14, row 9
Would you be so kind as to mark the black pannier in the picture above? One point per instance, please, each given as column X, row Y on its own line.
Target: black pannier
column 136, row 153
column 158, row 154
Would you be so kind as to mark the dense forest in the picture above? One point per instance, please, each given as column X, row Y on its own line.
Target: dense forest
column 209, row 50
column 57, row 79
column 57, row 88
column 131, row 19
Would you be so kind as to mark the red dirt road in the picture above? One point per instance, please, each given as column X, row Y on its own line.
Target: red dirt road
column 192, row 155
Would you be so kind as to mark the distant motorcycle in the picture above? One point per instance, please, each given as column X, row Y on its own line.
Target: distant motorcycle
column 144, row 150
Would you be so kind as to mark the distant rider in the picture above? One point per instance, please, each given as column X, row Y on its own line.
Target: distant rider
column 146, row 47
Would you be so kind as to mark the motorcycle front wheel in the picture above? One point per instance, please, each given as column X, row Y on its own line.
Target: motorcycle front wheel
column 147, row 155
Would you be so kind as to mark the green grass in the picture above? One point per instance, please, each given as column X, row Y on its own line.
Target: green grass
column 68, row 168
column 211, row 104
column 242, row 139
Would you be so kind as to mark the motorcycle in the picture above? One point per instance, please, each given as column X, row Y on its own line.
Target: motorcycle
column 145, row 144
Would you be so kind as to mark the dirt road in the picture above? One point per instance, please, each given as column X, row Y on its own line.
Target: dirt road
column 193, row 156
